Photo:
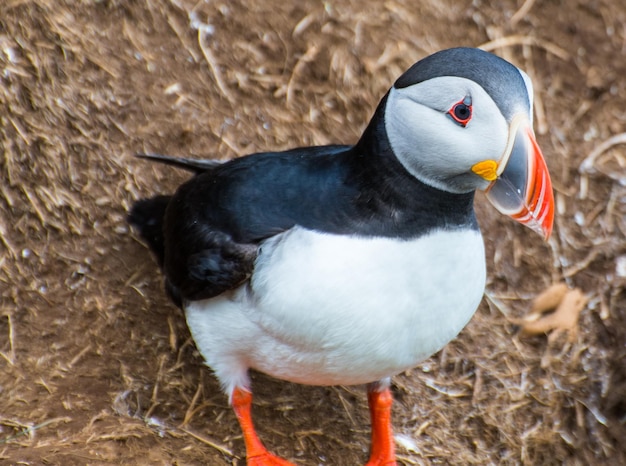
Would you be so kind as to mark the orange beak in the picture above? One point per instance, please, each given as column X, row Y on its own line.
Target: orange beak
column 523, row 189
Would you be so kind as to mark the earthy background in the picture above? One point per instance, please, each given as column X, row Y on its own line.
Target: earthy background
column 96, row 367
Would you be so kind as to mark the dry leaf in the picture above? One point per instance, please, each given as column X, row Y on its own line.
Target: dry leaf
column 566, row 305
column 548, row 300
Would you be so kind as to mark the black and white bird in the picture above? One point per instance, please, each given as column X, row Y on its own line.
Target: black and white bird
column 350, row 264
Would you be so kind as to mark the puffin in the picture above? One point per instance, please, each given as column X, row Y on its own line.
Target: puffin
column 349, row 264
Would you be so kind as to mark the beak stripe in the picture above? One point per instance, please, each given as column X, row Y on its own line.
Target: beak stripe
column 523, row 189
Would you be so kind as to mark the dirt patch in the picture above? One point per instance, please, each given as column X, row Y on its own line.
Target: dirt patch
column 96, row 367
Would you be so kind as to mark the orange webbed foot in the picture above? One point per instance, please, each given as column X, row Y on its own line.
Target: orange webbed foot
column 382, row 462
column 267, row 459
column 256, row 454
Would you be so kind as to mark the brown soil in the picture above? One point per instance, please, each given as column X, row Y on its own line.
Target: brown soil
column 97, row 368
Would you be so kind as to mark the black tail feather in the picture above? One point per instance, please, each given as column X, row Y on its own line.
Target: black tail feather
column 147, row 216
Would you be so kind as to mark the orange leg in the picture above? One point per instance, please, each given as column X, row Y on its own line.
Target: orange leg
column 256, row 454
column 382, row 450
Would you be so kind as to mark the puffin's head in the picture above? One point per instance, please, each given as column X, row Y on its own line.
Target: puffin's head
column 461, row 120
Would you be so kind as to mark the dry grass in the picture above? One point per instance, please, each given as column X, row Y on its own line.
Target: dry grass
column 97, row 368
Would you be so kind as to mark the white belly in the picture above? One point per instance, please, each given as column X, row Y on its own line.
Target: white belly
column 327, row 309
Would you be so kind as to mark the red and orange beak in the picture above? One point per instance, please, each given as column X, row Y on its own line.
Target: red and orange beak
column 522, row 188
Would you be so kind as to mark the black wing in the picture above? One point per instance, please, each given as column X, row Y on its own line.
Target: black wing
column 206, row 235
column 196, row 166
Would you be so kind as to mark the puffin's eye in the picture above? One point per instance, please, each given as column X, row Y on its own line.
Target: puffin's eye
column 461, row 112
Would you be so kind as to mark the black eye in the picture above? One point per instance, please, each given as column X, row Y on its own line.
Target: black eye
column 461, row 112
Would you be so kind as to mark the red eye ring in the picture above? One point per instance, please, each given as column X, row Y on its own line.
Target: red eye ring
column 461, row 112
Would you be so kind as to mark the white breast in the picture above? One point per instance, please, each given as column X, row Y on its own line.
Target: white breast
column 327, row 309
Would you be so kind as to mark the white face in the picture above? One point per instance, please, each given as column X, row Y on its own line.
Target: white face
column 435, row 148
